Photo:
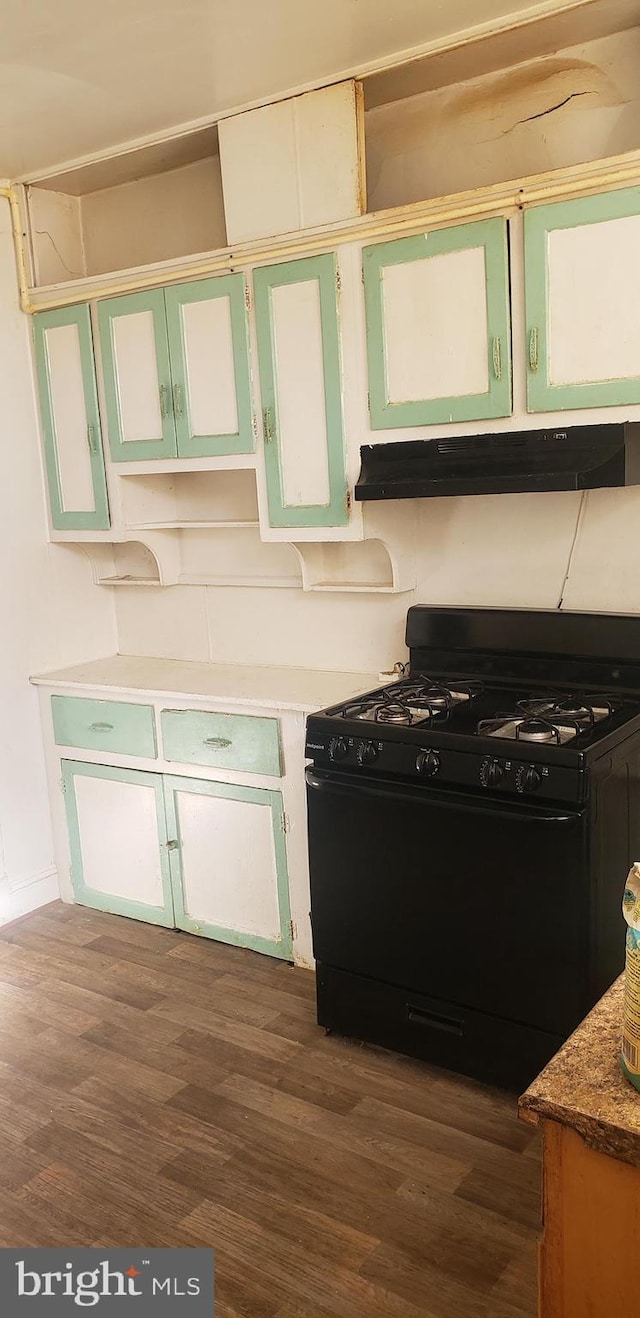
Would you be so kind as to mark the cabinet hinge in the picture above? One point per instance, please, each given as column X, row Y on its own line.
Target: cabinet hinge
column 292, row 928
column 285, row 823
column 369, row 401
column 63, row 787
column 348, row 500
column 338, row 281
column 254, row 422
column 247, row 297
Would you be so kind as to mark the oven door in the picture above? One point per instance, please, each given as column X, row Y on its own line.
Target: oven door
column 478, row 902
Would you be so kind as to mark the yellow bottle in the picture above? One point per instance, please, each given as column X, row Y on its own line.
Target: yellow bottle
column 630, row 1056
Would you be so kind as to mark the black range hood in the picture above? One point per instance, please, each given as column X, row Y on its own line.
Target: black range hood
column 576, row 458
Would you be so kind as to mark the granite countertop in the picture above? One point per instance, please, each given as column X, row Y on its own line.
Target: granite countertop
column 583, row 1085
column 302, row 689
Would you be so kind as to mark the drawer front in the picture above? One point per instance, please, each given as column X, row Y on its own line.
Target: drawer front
column 222, row 741
column 104, row 725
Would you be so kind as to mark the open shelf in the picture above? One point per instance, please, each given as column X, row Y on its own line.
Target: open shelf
column 214, row 500
column 129, row 563
column 235, row 556
column 158, row 203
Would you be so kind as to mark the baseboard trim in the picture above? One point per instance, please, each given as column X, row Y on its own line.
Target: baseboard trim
column 19, row 897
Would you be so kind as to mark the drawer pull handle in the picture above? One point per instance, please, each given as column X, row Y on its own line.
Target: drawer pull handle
column 178, row 405
column 430, row 1020
column 91, row 439
column 172, row 844
column 267, row 424
column 101, row 727
column 496, row 352
column 218, row 742
column 533, row 349
column 164, row 401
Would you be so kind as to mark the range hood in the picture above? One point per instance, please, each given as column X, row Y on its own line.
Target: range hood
column 576, row 458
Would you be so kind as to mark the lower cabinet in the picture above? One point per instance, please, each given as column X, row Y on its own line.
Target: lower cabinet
column 200, row 855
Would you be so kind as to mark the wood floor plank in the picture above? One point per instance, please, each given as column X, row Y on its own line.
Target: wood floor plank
column 161, row 1089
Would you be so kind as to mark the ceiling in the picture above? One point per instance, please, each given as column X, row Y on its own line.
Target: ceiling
column 78, row 76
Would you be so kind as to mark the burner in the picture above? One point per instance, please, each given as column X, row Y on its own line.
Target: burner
column 537, row 729
column 393, row 712
column 360, row 709
column 434, row 699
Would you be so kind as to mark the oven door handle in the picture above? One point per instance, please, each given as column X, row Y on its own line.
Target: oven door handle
column 319, row 780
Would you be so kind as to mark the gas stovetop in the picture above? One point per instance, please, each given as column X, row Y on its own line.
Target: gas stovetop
column 459, row 707
column 475, row 734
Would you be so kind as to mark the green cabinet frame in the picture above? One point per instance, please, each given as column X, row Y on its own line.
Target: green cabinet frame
column 177, row 296
column 67, row 519
column 497, row 400
column 84, row 893
column 280, row 947
column 539, row 222
column 323, row 269
column 166, row 306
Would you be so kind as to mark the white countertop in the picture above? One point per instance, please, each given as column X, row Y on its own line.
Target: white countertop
column 278, row 688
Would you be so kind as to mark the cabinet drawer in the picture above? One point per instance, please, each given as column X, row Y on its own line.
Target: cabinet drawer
column 223, row 741
column 104, row 725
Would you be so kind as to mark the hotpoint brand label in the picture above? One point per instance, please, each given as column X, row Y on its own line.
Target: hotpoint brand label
column 132, row 1283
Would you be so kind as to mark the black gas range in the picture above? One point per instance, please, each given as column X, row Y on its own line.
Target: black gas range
column 470, row 830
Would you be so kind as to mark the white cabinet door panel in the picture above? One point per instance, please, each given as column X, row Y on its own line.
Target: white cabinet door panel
column 431, row 350
column 300, row 402
column 229, row 866
column 594, row 302
column 582, row 273
column 117, row 835
column 67, row 391
column 210, row 381
column 138, row 378
column 70, row 418
column 438, row 326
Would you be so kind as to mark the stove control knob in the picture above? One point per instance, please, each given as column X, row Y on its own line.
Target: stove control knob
column 491, row 773
column 367, row 752
column 428, row 763
column 338, row 748
column 528, row 779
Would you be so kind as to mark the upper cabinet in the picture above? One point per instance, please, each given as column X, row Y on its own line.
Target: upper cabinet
column 301, row 391
column 70, row 420
column 583, row 302
column 438, row 326
column 176, row 371
column 303, row 157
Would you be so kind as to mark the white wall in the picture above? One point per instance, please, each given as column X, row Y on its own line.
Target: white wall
column 51, row 612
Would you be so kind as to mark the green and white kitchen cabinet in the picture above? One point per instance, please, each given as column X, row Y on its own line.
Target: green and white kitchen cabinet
column 186, row 810
column 438, row 326
column 299, row 357
column 74, row 459
column 176, row 371
column 582, row 271
column 175, row 815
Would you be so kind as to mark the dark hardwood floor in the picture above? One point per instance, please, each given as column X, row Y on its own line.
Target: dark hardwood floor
column 158, row 1089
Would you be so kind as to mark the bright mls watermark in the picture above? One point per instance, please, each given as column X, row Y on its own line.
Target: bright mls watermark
column 56, row 1283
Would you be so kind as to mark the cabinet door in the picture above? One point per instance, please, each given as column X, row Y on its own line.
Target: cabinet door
column 137, row 377
column 70, row 419
column 438, row 326
column 301, row 387
column 229, row 868
column 211, row 387
column 118, row 840
column 582, row 262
